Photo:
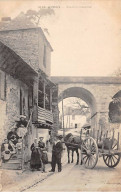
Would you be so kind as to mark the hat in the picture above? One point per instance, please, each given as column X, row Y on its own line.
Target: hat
column 22, row 116
column 86, row 126
column 59, row 136
column 41, row 137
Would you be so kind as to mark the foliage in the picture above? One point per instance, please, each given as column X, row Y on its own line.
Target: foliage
column 77, row 103
column 35, row 16
column 117, row 72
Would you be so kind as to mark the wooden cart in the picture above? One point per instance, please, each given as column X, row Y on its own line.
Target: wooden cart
column 92, row 148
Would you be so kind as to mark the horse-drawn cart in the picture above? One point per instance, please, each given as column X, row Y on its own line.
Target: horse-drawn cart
column 102, row 146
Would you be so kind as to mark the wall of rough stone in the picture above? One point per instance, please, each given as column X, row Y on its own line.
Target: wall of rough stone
column 10, row 108
column 29, row 45
column 102, row 94
column 24, row 42
column 43, row 43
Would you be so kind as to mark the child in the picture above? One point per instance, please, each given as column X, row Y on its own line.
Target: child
column 5, row 149
column 19, row 146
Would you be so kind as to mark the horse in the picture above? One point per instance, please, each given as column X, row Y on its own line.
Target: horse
column 72, row 143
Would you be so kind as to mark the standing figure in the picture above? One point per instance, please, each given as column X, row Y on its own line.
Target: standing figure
column 22, row 121
column 35, row 162
column 41, row 144
column 21, row 126
column 19, row 146
column 57, row 154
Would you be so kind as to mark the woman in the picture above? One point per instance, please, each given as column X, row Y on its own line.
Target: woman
column 35, row 162
column 43, row 150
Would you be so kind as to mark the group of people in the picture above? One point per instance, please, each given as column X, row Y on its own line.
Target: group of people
column 13, row 143
column 39, row 154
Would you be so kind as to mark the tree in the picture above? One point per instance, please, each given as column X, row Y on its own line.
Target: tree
column 117, row 72
column 35, row 16
column 77, row 103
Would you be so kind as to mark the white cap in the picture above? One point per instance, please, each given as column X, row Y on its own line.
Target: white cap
column 22, row 116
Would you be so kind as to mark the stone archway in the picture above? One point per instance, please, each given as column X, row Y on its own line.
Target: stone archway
column 86, row 96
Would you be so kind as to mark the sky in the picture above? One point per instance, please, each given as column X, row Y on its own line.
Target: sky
column 85, row 35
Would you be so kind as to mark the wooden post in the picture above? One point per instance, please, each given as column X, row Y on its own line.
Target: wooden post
column 22, row 165
column 93, row 133
column 118, row 141
column 97, row 135
column 44, row 94
column 35, row 99
column 113, row 138
column 101, row 135
column 63, row 118
column 50, row 99
column 69, row 120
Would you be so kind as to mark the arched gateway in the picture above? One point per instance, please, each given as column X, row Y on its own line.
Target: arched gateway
column 97, row 92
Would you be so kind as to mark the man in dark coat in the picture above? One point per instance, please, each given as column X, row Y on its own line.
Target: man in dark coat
column 56, row 154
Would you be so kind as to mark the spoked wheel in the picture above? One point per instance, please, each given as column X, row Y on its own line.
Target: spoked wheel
column 111, row 160
column 89, row 151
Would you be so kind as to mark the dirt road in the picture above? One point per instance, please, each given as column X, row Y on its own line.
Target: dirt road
column 77, row 178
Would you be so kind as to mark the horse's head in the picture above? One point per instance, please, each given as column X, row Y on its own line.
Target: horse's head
column 67, row 137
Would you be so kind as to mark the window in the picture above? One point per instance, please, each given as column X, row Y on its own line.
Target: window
column 44, row 56
column 2, row 85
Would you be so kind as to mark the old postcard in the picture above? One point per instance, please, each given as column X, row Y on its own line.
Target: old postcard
column 60, row 95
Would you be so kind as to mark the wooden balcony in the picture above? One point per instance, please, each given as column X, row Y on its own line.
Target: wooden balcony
column 45, row 116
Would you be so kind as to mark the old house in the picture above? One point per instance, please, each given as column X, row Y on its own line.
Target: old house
column 25, row 85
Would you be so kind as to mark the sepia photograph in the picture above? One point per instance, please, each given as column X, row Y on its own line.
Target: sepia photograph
column 60, row 96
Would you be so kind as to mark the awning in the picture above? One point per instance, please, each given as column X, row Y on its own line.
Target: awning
column 15, row 66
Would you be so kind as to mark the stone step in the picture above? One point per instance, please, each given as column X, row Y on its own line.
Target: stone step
column 12, row 166
column 13, row 161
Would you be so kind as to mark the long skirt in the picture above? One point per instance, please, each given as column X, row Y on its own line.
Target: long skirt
column 35, row 162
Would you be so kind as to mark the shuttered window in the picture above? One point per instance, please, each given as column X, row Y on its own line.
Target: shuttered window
column 2, row 86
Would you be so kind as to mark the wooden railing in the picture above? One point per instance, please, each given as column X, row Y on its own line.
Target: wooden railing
column 44, row 116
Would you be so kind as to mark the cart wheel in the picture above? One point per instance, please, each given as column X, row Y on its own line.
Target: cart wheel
column 111, row 160
column 89, row 152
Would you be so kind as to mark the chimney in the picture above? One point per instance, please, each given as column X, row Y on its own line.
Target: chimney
column 6, row 19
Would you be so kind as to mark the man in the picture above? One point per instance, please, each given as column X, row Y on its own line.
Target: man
column 57, row 153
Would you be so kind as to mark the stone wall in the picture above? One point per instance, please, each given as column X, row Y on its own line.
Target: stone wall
column 24, row 43
column 29, row 45
column 10, row 108
column 44, row 46
column 102, row 94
